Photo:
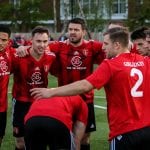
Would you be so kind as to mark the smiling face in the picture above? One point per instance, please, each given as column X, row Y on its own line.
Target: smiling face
column 75, row 33
column 40, row 43
column 4, row 39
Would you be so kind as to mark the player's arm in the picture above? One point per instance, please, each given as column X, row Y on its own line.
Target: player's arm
column 78, row 130
column 99, row 54
column 75, row 88
column 22, row 51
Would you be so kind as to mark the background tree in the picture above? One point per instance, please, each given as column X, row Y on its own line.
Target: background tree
column 139, row 13
column 26, row 14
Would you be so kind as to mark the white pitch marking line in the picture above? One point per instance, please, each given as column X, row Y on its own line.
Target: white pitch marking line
column 97, row 106
column 102, row 107
column 103, row 97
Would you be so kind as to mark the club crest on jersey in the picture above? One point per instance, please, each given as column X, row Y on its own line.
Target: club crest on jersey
column 3, row 66
column 36, row 77
column 85, row 52
column 76, row 61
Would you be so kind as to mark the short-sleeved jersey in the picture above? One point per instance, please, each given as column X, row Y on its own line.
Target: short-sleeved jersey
column 5, row 65
column 127, row 84
column 29, row 73
column 65, row 109
column 76, row 63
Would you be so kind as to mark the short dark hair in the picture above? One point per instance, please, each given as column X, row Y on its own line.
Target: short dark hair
column 119, row 34
column 5, row 29
column 139, row 33
column 78, row 21
column 40, row 29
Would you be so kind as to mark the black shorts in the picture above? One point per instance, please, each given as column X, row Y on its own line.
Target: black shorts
column 41, row 132
column 91, row 124
column 3, row 116
column 20, row 109
column 135, row 140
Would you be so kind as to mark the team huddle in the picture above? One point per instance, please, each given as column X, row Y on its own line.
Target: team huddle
column 63, row 118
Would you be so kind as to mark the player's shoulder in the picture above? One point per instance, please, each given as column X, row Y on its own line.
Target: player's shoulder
column 94, row 41
column 76, row 99
column 49, row 53
column 10, row 49
column 128, row 57
column 57, row 45
column 92, row 44
column 140, row 57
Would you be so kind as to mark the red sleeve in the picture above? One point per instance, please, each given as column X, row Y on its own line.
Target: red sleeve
column 99, row 54
column 54, row 47
column 100, row 76
column 13, row 59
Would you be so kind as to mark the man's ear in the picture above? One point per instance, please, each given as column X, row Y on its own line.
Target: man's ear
column 84, row 32
column 117, row 45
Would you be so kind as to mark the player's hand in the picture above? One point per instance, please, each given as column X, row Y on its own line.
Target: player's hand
column 22, row 51
column 39, row 93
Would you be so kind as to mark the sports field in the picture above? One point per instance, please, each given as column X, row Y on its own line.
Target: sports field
column 98, row 139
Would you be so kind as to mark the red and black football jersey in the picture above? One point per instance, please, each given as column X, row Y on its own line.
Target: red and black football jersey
column 76, row 63
column 30, row 73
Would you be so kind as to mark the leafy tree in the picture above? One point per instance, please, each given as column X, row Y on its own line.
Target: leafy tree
column 140, row 15
column 25, row 15
column 6, row 11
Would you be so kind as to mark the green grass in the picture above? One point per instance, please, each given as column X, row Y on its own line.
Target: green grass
column 98, row 138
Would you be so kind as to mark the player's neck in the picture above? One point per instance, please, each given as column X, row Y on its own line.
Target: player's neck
column 35, row 55
column 77, row 44
column 123, row 50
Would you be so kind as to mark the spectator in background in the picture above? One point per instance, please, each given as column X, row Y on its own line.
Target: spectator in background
column 51, row 38
column 63, row 37
column 138, row 36
column 50, row 122
column 19, row 40
column 125, row 77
